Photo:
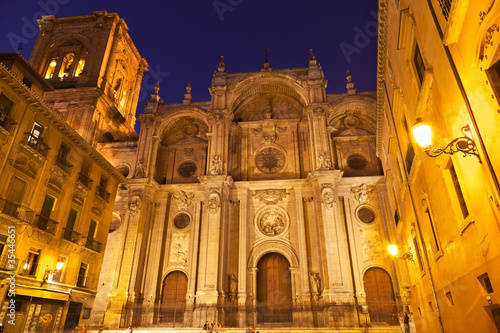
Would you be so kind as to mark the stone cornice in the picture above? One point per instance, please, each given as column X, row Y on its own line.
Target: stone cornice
column 381, row 65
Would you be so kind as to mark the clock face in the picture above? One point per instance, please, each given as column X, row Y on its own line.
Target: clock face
column 270, row 160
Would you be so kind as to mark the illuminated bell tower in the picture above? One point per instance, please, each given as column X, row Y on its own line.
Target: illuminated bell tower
column 96, row 71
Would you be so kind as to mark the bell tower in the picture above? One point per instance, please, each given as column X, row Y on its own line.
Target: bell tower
column 96, row 71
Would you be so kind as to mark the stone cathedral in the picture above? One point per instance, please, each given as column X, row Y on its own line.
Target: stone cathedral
column 265, row 205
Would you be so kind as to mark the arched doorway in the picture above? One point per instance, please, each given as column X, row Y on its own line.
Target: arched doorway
column 173, row 301
column 380, row 295
column 274, row 289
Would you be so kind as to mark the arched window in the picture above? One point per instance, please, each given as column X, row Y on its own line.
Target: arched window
column 66, row 65
column 51, row 69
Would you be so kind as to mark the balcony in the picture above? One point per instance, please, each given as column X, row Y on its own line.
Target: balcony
column 85, row 180
column 64, row 164
column 8, row 264
column 16, row 211
column 28, row 269
column 102, row 193
column 45, row 224
column 72, row 235
column 35, row 144
column 93, row 245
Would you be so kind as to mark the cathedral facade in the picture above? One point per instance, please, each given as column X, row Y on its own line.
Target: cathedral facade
column 264, row 206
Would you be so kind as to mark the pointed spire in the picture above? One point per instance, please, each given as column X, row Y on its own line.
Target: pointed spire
column 222, row 65
column 350, row 85
column 187, row 95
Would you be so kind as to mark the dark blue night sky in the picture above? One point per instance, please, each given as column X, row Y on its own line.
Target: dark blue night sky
column 183, row 40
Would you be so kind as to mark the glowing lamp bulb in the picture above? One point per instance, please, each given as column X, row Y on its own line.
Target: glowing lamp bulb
column 423, row 134
column 393, row 249
column 59, row 265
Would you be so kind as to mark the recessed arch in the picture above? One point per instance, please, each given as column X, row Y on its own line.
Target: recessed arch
column 173, row 297
column 380, row 295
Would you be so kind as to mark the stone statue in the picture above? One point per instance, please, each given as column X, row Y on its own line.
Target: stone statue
column 315, row 283
column 216, row 166
column 233, row 286
column 324, row 162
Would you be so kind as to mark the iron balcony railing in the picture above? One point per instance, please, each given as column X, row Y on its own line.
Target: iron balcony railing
column 102, row 193
column 8, row 264
column 7, row 122
column 85, row 180
column 64, row 164
column 93, row 245
column 72, row 235
column 16, row 210
column 36, row 144
column 445, row 7
column 46, row 224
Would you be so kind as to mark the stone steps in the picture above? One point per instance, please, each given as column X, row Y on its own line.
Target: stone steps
column 374, row 329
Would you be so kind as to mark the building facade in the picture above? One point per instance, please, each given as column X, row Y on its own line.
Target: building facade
column 56, row 201
column 438, row 62
column 264, row 206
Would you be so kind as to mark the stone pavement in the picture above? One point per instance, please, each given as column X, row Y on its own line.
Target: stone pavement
column 382, row 329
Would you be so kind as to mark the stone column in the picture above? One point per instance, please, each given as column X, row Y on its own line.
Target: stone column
column 242, row 265
column 209, row 264
column 153, row 156
column 320, row 143
column 337, row 285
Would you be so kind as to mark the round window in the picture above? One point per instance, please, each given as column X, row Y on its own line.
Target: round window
column 182, row 220
column 366, row 215
column 124, row 170
column 357, row 162
column 187, row 169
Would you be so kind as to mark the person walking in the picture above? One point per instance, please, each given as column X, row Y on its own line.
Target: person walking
column 406, row 322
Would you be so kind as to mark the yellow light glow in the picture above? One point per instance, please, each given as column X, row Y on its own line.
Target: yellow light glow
column 393, row 249
column 25, row 267
column 59, row 265
column 423, row 134
column 50, row 69
column 79, row 68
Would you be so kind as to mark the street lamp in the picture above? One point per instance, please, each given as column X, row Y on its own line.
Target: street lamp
column 422, row 133
column 49, row 271
column 393, row 250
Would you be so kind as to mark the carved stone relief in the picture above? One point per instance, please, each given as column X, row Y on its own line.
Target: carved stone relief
column 362, row 193
column 213, row 202
column 328, row 196
column 272, row 221
column 179, row 250
column 324, row 162
column 134, row 205
column 183, row 199
column 270, row 196
column 371, row 245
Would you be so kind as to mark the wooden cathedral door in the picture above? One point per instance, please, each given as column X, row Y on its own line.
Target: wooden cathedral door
column 380, row 296
column 173, row 302
column 274, row 289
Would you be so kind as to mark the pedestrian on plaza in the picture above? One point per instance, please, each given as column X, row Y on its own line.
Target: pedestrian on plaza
column 205, row 327
column 406, row 322
column 130, row 330
column 84, row 329
column 248, row 330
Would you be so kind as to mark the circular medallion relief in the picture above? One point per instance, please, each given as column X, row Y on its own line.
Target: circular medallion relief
column 366, row 215
column 270, row 160
column 182, row 221
column 271, row 222
column 357, row 162
column 187, row 169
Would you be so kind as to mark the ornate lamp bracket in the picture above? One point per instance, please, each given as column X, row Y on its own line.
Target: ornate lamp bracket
column 463, row 144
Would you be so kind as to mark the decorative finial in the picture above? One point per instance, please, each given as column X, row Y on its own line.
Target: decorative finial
column 350, row 85
column 157, row 87
column 222, row 65
column 154, row 96
column 311, row 55
column 187, row 95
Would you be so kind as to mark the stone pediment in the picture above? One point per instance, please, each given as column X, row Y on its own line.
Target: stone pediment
column 190, row 141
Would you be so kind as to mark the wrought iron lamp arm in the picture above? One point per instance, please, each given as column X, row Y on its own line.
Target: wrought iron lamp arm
column 463, row 144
